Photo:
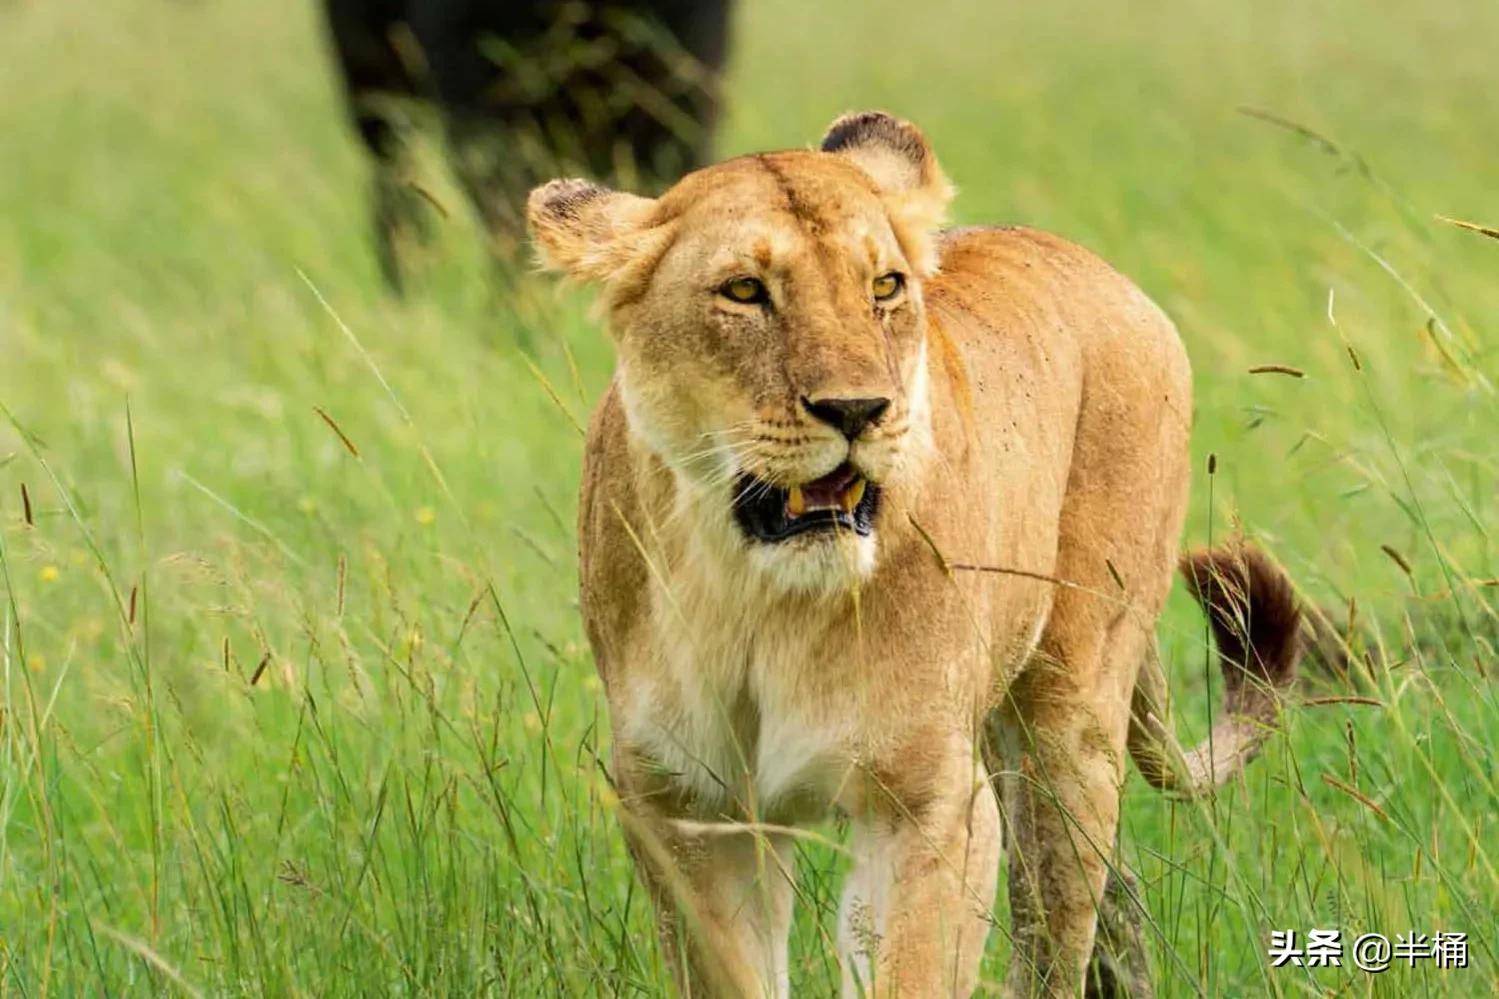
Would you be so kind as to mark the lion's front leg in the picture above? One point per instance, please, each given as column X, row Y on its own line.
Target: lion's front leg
column 723, row 898
column 916, row 908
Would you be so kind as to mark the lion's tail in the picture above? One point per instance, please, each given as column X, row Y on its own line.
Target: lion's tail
column 1256, row 625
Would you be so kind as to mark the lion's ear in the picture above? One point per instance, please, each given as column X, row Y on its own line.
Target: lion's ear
column 583, row 229
column 898, row 159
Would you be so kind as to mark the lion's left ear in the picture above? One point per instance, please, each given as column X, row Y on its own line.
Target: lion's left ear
column 898, row 159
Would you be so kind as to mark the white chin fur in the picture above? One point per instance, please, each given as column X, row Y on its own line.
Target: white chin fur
column 816, row 563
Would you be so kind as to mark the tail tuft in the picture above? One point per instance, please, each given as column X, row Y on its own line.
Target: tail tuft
column 1256, row 624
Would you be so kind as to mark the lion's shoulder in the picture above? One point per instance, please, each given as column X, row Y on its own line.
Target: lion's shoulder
column 999, row 273
column 988, row 250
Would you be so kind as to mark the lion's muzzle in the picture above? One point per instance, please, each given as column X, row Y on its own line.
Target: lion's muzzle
column 842, row 500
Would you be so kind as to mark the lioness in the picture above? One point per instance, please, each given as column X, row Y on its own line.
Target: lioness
column 862, row 491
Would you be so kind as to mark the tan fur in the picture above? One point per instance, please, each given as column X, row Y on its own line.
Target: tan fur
column 1033, row 463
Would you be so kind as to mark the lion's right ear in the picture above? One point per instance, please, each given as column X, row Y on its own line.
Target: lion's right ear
column 585, row 230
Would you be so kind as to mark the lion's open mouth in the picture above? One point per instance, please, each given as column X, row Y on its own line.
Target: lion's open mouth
column 841, row 500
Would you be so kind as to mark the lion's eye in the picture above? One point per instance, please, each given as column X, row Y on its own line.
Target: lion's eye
column 747, row 290
column 887, row 286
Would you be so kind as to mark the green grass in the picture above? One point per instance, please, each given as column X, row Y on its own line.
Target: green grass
column 408, row 798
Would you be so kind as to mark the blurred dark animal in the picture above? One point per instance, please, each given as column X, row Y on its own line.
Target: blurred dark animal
column 526, row 90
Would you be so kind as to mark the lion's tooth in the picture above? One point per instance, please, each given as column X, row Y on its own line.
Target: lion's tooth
column 854, row 494
column 796, row 503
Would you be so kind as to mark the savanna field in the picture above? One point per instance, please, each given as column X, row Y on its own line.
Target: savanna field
column 294, row 697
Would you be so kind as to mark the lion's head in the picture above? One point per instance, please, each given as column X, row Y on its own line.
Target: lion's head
column 771, row 334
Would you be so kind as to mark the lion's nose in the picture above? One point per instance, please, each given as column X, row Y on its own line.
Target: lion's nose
column 850, row 416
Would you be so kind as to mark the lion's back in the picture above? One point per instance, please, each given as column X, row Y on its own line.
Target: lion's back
column 1064, row 376
column 1016, row 296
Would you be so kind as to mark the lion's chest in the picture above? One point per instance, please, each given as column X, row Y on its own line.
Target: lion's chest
column 740, row 724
